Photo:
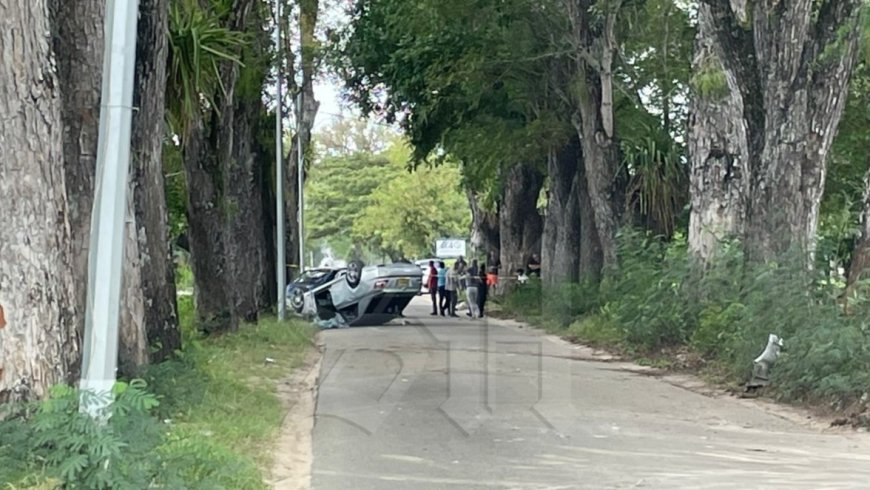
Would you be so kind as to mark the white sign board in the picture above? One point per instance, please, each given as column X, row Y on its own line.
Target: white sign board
column 449, row 248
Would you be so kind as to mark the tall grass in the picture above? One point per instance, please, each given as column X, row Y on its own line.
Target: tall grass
column 204, row 420
column 658, row 301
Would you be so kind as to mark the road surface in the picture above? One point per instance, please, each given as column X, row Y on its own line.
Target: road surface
column 462, row 404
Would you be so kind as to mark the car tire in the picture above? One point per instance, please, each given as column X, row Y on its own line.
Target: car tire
column 353, row 275
column 297, row 300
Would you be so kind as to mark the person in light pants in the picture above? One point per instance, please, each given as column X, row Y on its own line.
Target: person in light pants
column 472, row 290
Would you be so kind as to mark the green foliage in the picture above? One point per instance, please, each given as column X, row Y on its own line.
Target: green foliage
column 198, row 44
column 658, row 301
column 597, row 330
column 465, row 79
column 847, row 164
column 175, row 187
column 658, row 189
column 58, row 441
column 710, row 82
column 410, row 211
column 338, row 191
column 183, row 274
column 657, row 52
column 204, row 423
column 646, row 297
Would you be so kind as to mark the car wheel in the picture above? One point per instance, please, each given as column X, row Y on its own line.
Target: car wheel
column 354, row 273
column 297, row 300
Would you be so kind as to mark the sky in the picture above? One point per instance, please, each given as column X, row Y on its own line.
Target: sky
column 328, row 93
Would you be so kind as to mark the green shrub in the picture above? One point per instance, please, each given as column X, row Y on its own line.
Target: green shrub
column 717, row 324
column 57, row 440
column 204, row 423
column 648, row 296
column 598, row 330
column 563, row 303
column 658, row 298
column 524, row 301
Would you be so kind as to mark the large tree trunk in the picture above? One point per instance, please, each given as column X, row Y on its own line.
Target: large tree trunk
column 520, row 223
column 246, row 233
column 484, row 228
column 792, row 64
column 132, row 336
column 158, row 268
column 718, row 150
column 304, row 122
column 205, row 230
column 560, row 253
column 77, row 34
column 217, row 155
column 78, row 45
column 591, row 255
column 265, row 178
column 594, row 120
column 38, row 342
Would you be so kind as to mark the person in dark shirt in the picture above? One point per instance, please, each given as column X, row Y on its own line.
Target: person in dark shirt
column 443, row 297
column 483, row 292
column 432, row 286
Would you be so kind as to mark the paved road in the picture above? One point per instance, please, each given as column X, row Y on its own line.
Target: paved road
column 459, row 404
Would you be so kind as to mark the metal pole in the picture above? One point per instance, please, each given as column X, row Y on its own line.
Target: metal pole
column 106, row 254
column 300, row 172
column 280, row 261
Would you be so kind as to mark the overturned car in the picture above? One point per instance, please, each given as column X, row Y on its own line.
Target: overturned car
column 360, row 295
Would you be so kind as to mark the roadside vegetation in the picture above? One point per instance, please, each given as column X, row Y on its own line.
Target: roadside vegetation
column 203, row 420
column 656, row 309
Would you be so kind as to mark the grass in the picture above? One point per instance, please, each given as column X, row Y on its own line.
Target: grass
column 211, row 417
column 657, row 310
column 222, row 391
column 183, row 275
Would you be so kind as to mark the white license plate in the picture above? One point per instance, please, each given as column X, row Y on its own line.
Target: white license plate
column 403, row 282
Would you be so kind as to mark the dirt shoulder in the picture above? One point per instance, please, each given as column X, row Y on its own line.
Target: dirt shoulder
column 293, row 455
column 816, row 418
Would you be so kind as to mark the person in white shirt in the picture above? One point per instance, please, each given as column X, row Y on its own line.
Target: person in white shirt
column 522, row 278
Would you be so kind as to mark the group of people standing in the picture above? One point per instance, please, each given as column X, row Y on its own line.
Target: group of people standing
column 446, row 285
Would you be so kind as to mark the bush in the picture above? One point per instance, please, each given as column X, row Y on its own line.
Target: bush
column 597, row 330
column 204, row 422
column 562, row 304
column 648, row 295
column 524, row 301
column 657, row 299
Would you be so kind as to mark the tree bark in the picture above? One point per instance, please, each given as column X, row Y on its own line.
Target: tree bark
column 205, row 208
column 484, row 228
column 560, row 253
column 792, row 66
column 38, row 342
column 305, row 116
column 78, row 45
column 591, row 254
column 246, row 233
column 718, row 151
column 520, row 223
column 158, row 267
column 217, row 165
column 132, row 335
column 593, row 120
column 265, row 178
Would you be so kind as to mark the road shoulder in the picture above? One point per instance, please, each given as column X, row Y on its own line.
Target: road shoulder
column 293, row 451
column 687, row 381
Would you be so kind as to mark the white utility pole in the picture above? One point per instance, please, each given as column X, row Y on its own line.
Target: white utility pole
column 301, row 182
column 280, row 261
column 106, row 254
